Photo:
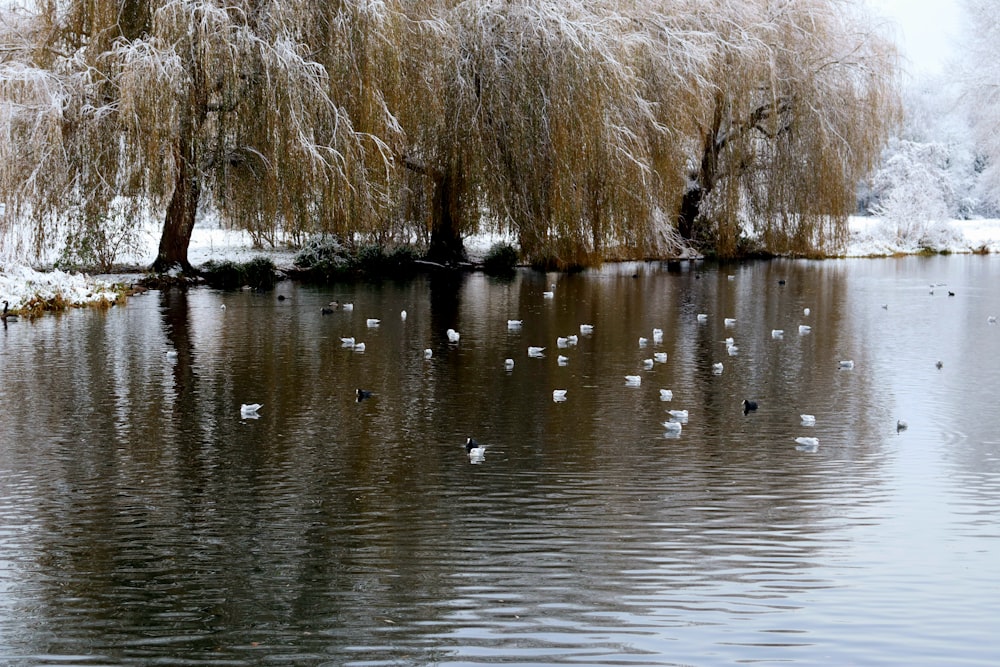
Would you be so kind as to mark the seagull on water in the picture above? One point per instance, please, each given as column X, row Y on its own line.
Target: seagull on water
column 453, row 336
column 846, row 364
column 558, row 395
column 806, row 444
column 535, row 351
column 666, row 395
column 586, row 328
column 476, row 451
column 808, row 420
column 633, row 380
column 508, row 364
column 249, row 410
column 717, row 368
column 673, row 427
column 679, row 415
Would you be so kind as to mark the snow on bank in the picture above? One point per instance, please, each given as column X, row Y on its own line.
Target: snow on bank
column 873, row 237
column 22, row 286
column 869, row 237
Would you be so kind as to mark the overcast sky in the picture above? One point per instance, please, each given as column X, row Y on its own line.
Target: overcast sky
column 927, row 31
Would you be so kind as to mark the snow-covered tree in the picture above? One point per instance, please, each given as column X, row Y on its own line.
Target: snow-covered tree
column 587, row 129
column 981, row 82
column 803, row 96
column 161, row 103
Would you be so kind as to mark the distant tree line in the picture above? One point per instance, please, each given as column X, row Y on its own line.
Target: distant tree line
column 587, row 130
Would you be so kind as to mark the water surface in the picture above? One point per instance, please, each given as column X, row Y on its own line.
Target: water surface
column 143, row 521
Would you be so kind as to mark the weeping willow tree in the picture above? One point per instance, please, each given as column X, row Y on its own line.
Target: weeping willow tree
column 800, row 100
column 582, row 127
column 168, row 106
column 537, row 125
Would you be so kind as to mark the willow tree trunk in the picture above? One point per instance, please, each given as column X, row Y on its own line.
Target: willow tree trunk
column 446, row 246
column 181, row 212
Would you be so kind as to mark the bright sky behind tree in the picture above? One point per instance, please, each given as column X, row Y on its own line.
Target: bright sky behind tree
column 927, row 31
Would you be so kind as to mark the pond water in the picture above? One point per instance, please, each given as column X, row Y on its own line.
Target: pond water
column 144, row 521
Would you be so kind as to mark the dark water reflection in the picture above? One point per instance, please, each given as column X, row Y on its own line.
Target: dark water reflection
column 143, row 521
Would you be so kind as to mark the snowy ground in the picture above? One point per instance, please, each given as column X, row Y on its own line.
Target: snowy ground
column 870, row 237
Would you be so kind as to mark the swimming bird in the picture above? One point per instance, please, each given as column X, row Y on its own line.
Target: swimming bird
column 806, row 311
column 548, row 294
column 660, row 357
column 643, row 341
column 453, row 336
column 749, row 406
column 572, row 340
column 508, row 364
column 561, row 360
column 781, row 281
column 679, row 415
column 428, row 353
column 586, row 328
column 222, row 307
column 362, row 394
column 729, row 321
column 732, row 350
column 885, row 306
column 281, row 297
column 900, row 425
column 558, row 395
column 562, row 341
column 717, row 368
column 7, row 316
column 402, row 315
column 359, row 347
column 633, row 380
column 666, row 395
column 777, row 333
column 939, row 365
column 372, row 322
column 647, row 364
column 347, row 342
column 991, row 319
column 808, row 420
column 514, row 324
column 729, row 341
column 673, row 427
column 657, row 336
column 804, row 328
column 846, row 364
column 347, row 306
column 249, row 410
column 535, row 351
column 702, row 318
column 171, row 354
column 326, row 311
column 950, row 293
column 806, row 444
column 476, row 451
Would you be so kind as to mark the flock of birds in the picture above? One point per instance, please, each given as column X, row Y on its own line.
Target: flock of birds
column 673, row 427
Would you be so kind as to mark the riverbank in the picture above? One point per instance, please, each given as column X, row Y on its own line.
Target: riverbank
column 26, row 288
